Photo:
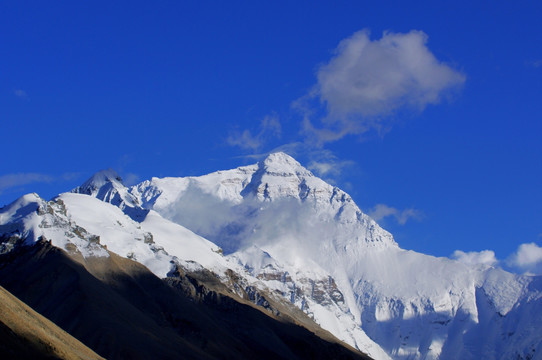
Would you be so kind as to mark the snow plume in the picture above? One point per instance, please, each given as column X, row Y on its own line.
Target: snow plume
column 207, row 216
column 288, row 221
column 367, row 80
column 235, row 226
column 527, row 258
column 380, row 211
column 484, row 257
column 269, row 128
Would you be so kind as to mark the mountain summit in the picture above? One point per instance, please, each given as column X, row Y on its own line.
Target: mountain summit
column 278, row 175
column 108, row 186
column 281, row 160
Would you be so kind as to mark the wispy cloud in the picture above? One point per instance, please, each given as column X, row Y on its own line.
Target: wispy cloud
column 484, row 257
column 368, row 80
column 381, row 211
column 130, row 179
column 527, row 259
column 328, row 166
column 534, row 63
column 12, row 180
column 69, row 176
column 269, row 128
column 324, row 168
column 20, row 93
column 9, row 181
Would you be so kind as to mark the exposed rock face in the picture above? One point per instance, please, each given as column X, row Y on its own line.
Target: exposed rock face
column 121, row 310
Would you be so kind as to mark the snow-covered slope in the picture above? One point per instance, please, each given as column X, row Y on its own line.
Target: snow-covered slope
column 226, row 226
column 217, row 205
column 309, row 241
column 290, row 235
column 84, row 225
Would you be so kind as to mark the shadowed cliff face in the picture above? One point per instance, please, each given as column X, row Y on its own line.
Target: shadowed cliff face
column 121, row 310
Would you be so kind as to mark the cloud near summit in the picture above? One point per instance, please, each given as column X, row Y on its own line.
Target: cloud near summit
column 484, row 257
column 380, row 211
column 527, row 258
column 269, row 128
column 367, row 80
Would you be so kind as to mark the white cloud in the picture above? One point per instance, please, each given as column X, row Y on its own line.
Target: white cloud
column 322, row 168
column 327, row 165
column 244, row 140
column 381, row 211
column 20, row 93
column 484, row 257
column 527, row 258
column 367, row 80
column 269, row 128
column 12, row 180
column 9, row 181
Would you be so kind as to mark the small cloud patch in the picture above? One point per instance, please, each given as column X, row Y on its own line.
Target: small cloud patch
column 527, row 259
column 484, row 257
column 381, row 211
column 12, row 180
column 368, row 80
column 269, row 128
column 20, row 93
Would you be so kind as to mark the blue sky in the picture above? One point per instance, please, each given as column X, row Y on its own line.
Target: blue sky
column 428, row 114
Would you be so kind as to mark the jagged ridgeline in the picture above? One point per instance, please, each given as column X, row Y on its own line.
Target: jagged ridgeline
column 266, row 251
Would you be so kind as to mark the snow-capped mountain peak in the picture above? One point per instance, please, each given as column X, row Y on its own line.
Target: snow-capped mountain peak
column 231, row 206
column 107, row 186
column 20, row 208
column 99, row 180
column 282, row 163
column 308, row 241
column 280, row 176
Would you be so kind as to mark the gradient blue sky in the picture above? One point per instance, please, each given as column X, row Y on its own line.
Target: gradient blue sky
column 447, row 156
